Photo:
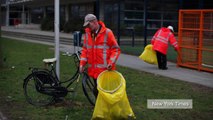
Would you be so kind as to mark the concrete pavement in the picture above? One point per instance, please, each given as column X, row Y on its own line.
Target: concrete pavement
column 184, row 74
column 179, row 73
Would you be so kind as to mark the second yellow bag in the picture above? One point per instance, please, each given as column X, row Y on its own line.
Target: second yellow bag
column 149, row 55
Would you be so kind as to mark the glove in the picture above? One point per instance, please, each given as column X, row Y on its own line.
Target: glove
column 81, row 69
column 109, row 66
column 177, row 49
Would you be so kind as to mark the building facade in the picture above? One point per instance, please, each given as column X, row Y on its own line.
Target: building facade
column 119, row 15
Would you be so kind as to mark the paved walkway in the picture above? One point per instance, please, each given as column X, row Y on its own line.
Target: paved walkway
column 184, row 74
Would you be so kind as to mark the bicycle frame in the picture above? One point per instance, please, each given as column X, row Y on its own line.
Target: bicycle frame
column 76, row 74
column 46, row 82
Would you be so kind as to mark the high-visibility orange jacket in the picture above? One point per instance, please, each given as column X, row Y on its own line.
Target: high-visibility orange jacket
column 161, row 38
column 99, row 52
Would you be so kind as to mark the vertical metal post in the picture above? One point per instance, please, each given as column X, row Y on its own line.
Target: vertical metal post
column 67, row 13
column 97, row 8
column 45, row 12
column 200, row 4
column 180, row 4
column 78, row 39
column 200, row 40
column 28, row 17
column 0, row 35
column 119, row 20
column 57, row 54
column 74, row 41
column 1, row 56
column 145, row 23
column 179, row 59
column 23, row 17
column 7, row 12
column 133, row 37
column 161, row 15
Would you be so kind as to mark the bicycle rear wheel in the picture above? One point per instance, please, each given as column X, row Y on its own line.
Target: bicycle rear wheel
column 32, row 85
column 88, row 89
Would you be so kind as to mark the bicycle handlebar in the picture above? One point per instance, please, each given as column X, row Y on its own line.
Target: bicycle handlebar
column 78, row 52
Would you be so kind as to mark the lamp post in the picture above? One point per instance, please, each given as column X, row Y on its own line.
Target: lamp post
column 57, row 54
column 119, row 22
column 145, row 23
column 1, row 59
column 0, row 22
column 7, row 12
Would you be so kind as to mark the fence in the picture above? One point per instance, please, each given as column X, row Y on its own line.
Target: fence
column 195, row 39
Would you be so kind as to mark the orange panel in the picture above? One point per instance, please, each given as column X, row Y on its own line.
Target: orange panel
column 195, row 39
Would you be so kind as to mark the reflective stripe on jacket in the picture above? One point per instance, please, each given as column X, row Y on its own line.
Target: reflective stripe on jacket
column 100, row 52
column 161, row 38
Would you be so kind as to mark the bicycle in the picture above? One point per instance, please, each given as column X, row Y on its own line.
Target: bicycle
column 42, row 87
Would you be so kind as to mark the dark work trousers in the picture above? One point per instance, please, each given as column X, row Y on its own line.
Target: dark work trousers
column 95, row 90
column 162, row 60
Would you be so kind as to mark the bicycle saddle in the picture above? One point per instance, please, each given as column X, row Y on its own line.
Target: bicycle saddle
column 49, row 60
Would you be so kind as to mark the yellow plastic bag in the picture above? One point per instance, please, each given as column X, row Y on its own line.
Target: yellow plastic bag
column 149, row 55
column 112, row 102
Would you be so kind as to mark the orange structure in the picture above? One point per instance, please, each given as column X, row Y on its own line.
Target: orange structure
column 195, row 39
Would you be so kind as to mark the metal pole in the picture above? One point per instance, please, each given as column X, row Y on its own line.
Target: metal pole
column 133, row 37
column 28, row 17
column 7, row 12
column 97, row 9
column 119, row 18
column 145, row 23
column 23, row 17
column 0, row 36
column 200, row 4
column 57, row 55
column 1, row 59
column 180, row 4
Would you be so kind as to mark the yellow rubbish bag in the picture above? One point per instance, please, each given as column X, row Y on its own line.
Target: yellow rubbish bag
column 149, row 55
column 112, row 102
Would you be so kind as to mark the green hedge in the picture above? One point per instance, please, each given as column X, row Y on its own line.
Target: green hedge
column 47, row 24
column 75, row 24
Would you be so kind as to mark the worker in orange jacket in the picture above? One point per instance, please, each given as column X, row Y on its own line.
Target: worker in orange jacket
column 160, row 45
column 100, row 49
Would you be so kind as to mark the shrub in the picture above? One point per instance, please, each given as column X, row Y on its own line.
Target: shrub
column 75, row 24
column 47, row 24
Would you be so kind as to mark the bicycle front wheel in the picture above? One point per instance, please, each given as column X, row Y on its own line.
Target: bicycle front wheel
column 33, row 96
column 88, row 88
